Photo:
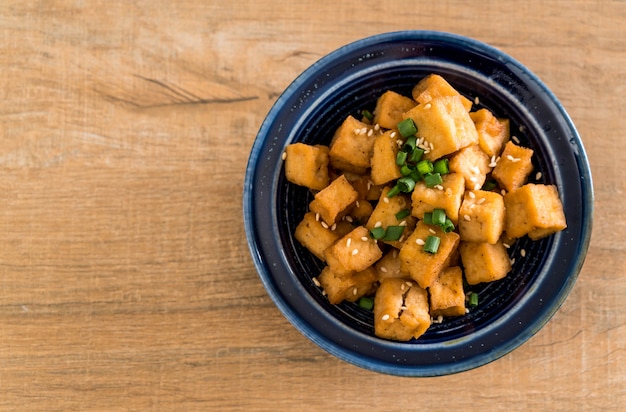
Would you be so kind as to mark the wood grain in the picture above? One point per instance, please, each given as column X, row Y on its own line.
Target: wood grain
column 125, row 278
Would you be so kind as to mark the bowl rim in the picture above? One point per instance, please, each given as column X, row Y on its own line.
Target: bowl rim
column 263, row 267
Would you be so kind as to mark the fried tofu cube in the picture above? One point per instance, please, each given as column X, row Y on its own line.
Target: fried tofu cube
column 314, row 235
column 307, row 165
column 448, row 197
column 514, row 166
column 473, row 164
column 348, row 288
column 364, row 186
column 400, row 310
column 433, row 86
column 447, row 297
column 493, row 132
column 334, row 201
column 445, row 124
column 351, row 146
column 386, row 214
column 354, row 252
column 484, row 262
column 390, row 107
column 422, row 266
column 534, row 210
column 384, row 167
column 390, row 266
column 481, row 217
column 361, row 211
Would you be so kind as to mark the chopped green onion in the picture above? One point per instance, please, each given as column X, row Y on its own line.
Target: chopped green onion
column 424, row 167
column 432, row 244
column 393, row 191
column 377, row 232
column 366, row 303
column 393, row 233
column 401, row 158
column 448, row 226
column 407, row 127
column 406, row 169
column 428, row 218
column 367, row 114
column 489, row 185
column 402, row 214
column 416, row 155
column 410, row 144
column 433, row 179
column 406, row 184
column 439, row 217
column 473, row 299
column 441, row 166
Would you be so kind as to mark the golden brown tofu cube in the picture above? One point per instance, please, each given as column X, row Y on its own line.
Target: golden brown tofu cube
column 349, row 288
column 473, row 164
column 351, row 146
column 448, row 197
column 386, row 212
column 400, row 310
column 334, row 201
column 433, row 86
column 447, row 297
column 514, row 166
column 534, row 210
column 354, row 252
column 484, row 262
column 423, row 266
column 481, row 217
column 493, row 132
column 384, row 167
column 445, row 125
column 361, row 211
column 364, row 186
column 390, row 107
column 315, row 235
column 307, row 165
column 390, row 266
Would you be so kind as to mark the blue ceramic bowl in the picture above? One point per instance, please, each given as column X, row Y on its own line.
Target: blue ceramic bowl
column 345, row 82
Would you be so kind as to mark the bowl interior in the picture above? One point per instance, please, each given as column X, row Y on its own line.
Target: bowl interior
column 350, row 80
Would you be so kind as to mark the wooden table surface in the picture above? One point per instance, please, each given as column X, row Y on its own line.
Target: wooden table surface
column 125, row 277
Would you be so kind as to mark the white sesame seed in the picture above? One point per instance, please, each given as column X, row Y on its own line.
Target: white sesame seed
column 333, row 227
column 538, row 176
column 466, row 310
column 515, row 139
column 477, row 186
column 480, row 201
column 284, row 155
column 349, row 219
column 355, row 252
column 317, row 282
column 395, row 253
column 354, row 291
column 317, row 217
column 385, row 317
column 432, row 231
column 386, row 199
column 370, row 132
column 403, row 307
column 376, row 127
column 420, row 242
column 348, row 242
column 476, row 100
column 403, row 223
column 364, row 238
column 467, row 217
column 431, row 146
column 324, row 225
column 503, row 192
column 513, row 261
column 427, row 106
column 392, row 135
column 402, row 286
column 438, row 187
column 369, row 184
column 383, row 269
column 522, row 252
column 506, row 245
column 409, row 284
column 472, row 195
column 357, row 204
column 378, row 224
column 513, row 159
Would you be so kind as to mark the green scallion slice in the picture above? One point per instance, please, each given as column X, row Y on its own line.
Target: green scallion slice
column 394, row 191
column 406, row 169
column 432, row 244
column 433, row 179
column 473, row 299
column 428, row 218
column 448, row 226
column 439, row 217
column 377, row 232
column 401, row 158
column 393, row 233
column 416, row 155
column 406, row 184
column 489, row 185
column 366, row 303
column 402, row 214
column 441, row 166
column 410, row 144
column 407, row 127
column 367, row 114
column 424, row 167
